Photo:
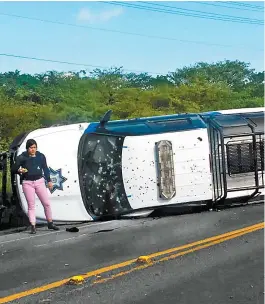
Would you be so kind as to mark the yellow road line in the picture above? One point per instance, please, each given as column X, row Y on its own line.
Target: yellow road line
column 216, row 239
column 210, row 244
column 173, row 256
column 156, row 254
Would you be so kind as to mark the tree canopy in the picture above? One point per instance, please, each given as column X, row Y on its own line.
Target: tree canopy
column 32, row 101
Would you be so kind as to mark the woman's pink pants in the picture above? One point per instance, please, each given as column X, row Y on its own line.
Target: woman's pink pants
column 38, row 187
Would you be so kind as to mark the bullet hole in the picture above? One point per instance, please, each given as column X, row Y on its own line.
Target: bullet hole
column 199, row 138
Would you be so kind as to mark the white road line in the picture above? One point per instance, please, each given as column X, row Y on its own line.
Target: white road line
column 29, row 237
column 49, row 233
column 75, row 237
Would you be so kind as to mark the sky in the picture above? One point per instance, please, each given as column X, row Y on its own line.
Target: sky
column 92, row 43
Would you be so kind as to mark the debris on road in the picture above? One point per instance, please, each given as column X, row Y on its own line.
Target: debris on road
column 76, row 280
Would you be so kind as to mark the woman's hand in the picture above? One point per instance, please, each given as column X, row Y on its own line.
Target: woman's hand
column 22, row 170
column 50, row 185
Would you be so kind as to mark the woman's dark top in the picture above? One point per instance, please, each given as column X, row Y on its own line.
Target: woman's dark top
column 36, row 166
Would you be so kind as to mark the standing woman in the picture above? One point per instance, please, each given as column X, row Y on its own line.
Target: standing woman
column 30, row 165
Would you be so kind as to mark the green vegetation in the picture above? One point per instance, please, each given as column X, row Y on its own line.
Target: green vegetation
column 32, row 101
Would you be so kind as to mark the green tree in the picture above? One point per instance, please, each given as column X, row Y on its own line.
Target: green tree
column 32, row 101
column 235, row 74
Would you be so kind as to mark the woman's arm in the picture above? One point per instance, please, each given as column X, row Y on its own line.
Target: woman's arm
column 16, row 165
column 45, row 169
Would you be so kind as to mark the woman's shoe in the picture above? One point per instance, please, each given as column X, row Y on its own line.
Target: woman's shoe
column 52, row 226
column 33, row 229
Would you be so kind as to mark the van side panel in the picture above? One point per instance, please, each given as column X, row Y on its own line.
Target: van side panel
column 191, row 167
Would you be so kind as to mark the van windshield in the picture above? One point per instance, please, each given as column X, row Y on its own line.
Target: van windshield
column 100, row 174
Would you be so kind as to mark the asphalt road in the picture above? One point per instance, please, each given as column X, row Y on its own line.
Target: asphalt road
column 221, row 271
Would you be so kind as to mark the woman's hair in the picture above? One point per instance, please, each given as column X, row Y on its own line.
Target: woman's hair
column 30, row 142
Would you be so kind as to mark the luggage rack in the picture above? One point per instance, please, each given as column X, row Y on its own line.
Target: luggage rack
column 236, row 149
